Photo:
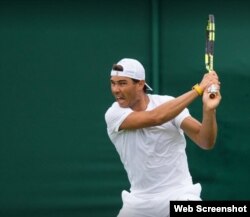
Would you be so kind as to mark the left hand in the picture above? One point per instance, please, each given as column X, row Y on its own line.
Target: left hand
column 209, row 103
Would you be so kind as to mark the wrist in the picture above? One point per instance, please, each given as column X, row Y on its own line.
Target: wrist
column 209, row 110
column 198, row 89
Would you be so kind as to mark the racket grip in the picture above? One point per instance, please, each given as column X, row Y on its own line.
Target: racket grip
column 212, row 91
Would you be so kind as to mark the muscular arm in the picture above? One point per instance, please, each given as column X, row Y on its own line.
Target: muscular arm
column 200, row 133
column 160, row 114
column 203, row 134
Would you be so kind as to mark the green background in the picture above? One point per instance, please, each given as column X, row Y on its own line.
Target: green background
column 55, row 59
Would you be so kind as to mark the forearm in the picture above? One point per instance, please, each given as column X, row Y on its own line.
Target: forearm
column 161, row 114
column 169, row 110
column 208, row 130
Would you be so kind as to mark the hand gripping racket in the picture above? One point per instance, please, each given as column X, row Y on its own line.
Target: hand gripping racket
column 209, row 52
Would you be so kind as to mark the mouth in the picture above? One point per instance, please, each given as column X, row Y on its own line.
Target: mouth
column 120, row 99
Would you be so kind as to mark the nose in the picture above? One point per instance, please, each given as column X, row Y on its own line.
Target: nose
column 115, row 88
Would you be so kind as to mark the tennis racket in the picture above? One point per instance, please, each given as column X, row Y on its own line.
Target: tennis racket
column 209, row 52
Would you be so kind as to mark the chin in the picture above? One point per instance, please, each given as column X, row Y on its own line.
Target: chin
column 122, row 105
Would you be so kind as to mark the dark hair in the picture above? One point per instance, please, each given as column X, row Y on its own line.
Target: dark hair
column 117, row 67
column 136, row 81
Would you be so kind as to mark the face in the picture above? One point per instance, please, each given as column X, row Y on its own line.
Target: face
column 126, row 91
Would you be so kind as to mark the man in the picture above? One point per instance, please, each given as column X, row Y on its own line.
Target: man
column 148, row 133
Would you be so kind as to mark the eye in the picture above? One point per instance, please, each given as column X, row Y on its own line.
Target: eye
column 122, row 83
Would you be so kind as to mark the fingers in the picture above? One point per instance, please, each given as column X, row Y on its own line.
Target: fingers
column 214, row 79
column 213, row 73
column 209, row 79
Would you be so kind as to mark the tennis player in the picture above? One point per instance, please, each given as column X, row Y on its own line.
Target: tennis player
column 148, row 133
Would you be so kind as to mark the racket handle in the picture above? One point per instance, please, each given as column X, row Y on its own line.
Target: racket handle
column 212, row 95
column 212, row 91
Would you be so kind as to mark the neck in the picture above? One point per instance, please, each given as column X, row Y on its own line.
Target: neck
column 141, row 104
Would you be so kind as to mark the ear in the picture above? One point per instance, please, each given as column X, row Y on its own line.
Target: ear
column 141, row 84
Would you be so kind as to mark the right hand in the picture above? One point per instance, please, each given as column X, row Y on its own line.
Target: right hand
column 209, row 79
